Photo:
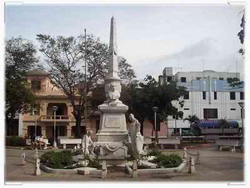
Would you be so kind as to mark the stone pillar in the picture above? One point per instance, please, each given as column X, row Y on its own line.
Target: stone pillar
column 20, row 125
column 37, row 164
column 44, row 108
column 25, row 132
column 198, row 158
column 104, row 169
column 220, row 148
column 233, row 149
column 184, row 153
column 43, row 130
column 191, row 165
column 68, row 131
column 134, row 173
column 23, row 158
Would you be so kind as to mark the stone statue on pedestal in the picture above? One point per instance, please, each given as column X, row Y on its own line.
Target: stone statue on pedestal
column 135, row 135
column 112, row 91
column 88, row 143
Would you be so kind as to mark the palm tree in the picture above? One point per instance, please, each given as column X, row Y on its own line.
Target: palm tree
column 223, row 124
column 194, row 122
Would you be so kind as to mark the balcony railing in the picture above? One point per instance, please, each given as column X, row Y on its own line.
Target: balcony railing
column 57, row 118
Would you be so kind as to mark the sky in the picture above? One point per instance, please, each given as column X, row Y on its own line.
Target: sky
column 150, row 37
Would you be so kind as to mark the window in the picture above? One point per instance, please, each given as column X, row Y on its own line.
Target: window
column 210, row 113
column 183, row 79
column 186, row 108
column 36, row 85
column 186, row 95
column 242, row 96
column 232, row 95
column 198, row 78
column 169, row 78
column 221, row 78
column 233, row 109
column 215, row 95
column 204, row 95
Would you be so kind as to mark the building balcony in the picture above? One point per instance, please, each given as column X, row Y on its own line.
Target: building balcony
column 58, row 118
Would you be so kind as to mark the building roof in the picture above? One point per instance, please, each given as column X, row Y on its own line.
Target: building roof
column 36, row 72
column 214, row 85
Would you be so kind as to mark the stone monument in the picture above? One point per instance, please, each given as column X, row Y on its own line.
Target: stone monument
column 113, row 130
column 87, row 143
column 136, row 139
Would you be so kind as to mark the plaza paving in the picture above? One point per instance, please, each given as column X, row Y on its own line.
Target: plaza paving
column 215, row 166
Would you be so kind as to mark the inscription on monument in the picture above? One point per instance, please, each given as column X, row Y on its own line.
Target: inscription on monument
column 112, row 121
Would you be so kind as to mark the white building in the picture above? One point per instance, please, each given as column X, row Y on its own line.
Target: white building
column 209, row 97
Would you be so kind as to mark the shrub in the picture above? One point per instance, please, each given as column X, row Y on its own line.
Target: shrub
column 154, row 153
column 57, row 159
column 15, row 141
column 168, row 161
column 226, row 148
column 94, row 162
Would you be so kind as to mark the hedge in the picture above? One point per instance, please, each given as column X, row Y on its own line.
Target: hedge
column 15, row 141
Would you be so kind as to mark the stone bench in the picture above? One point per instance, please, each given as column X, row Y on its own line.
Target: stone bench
column 70, row 141
column 46, row 142
column 229, row 143
column 162, row 142
column 174, row 142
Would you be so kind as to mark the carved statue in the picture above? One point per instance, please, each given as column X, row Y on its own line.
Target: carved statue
column 88, row 143
column 135, row 135
column 113, row 91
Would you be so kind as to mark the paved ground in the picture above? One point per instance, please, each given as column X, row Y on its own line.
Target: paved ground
column 215, row 166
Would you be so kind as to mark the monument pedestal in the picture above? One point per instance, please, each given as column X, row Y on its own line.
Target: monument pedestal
column 113, row 131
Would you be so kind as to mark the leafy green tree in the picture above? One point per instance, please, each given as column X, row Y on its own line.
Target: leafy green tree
column 126, row 73
column 223, row 123
column 241, row 34
column 235, row 82
column 65, row 62
column 194, row 123
column 20, row 57
column 142, row 96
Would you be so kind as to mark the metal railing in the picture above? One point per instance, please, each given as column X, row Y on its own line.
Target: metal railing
column 57, row 117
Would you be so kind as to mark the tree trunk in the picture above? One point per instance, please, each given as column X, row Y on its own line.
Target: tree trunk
column 78, row 125
column 8, row 122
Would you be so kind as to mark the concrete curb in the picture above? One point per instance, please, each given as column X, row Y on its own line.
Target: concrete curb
column 15, row 147
column 82, row 170
column 88, row 170
column 129, row 170
column 57, row 171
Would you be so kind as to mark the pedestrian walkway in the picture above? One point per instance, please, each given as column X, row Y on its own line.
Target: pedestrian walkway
column 215, row 166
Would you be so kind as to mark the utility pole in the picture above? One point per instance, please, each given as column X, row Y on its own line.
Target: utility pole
column 86, row 90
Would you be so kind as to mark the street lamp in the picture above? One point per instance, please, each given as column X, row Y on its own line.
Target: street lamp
column 155, row 108
column 241, row 104
column 35, row 113
column 55, row 108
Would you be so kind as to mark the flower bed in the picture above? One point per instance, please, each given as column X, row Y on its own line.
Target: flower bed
column 164, row 161
column 68, row 160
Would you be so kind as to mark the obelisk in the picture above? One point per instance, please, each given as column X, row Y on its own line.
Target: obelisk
column 113, row 130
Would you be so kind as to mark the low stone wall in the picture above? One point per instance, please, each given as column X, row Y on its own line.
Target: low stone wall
column 58, row 171
column 129, row 170
column 81, row 170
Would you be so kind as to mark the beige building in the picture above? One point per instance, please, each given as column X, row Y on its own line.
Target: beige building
column 42, row 120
